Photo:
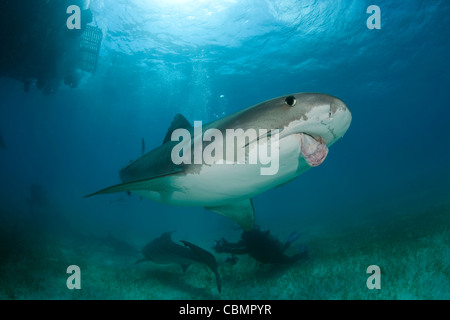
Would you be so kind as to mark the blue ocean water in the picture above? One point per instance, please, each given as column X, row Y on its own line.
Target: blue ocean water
column 381, row 197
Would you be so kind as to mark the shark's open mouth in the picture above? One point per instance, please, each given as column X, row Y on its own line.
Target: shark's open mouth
column 314, row 150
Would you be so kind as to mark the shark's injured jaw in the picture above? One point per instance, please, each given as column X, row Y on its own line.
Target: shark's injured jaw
column 313, row 150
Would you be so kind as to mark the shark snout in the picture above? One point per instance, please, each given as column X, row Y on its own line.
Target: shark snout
column 329, row 120
column 340, row 120
column 326, row 119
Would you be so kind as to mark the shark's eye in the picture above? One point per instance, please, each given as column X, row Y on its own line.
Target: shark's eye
column 290, row 101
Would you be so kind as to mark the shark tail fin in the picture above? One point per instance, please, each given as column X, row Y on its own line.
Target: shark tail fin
column 208, row 259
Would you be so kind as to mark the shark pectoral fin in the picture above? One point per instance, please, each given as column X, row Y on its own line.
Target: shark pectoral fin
column 127, row 187
column 241, row 212
column 143, row 184
column 178, row 122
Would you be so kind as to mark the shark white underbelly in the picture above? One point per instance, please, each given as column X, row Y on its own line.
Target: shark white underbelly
column 237, row 181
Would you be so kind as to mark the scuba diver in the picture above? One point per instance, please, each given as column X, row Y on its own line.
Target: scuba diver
column 262, row 246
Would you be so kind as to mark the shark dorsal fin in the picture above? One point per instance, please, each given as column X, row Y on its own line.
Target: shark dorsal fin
column 178, row 122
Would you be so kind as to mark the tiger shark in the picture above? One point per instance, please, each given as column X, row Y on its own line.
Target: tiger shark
column 307, row 124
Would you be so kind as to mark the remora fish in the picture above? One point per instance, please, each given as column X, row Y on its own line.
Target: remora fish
column 308, row 124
